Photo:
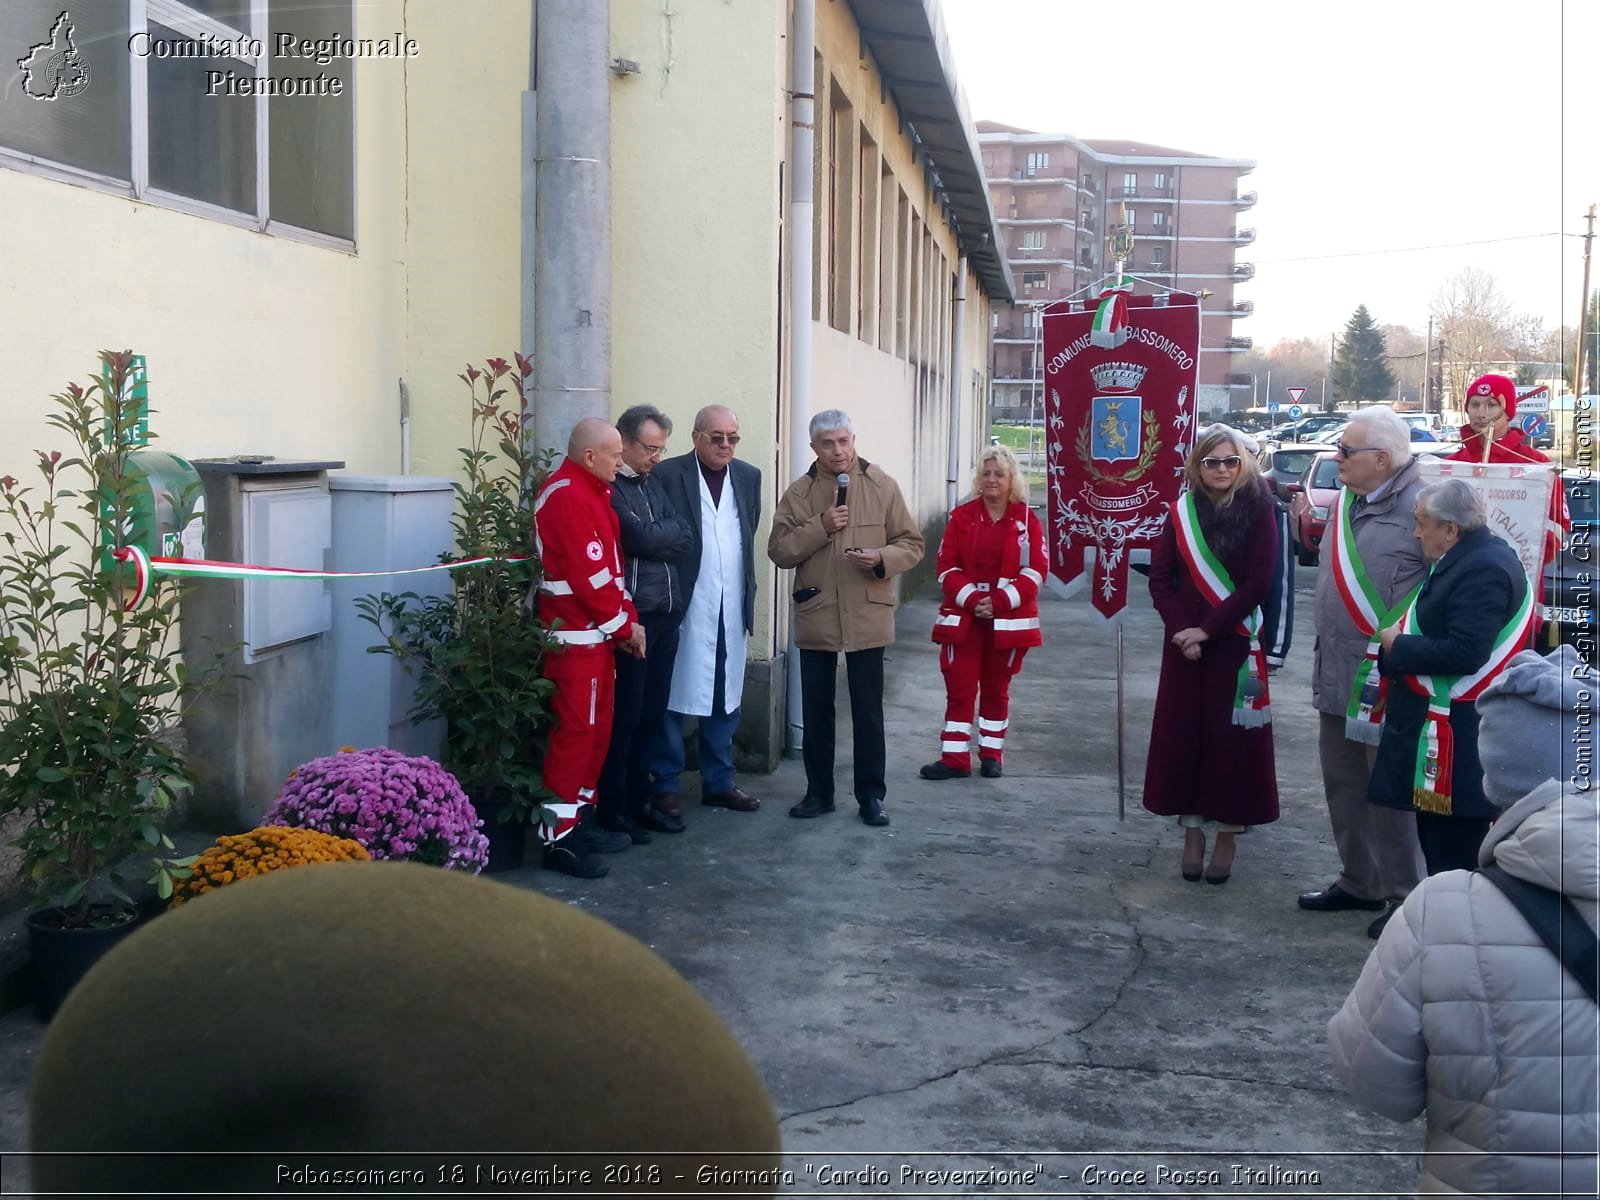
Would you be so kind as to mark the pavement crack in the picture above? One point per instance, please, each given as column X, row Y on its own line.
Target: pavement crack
column 1136, row 963
column 999, row 1058
column 1253, row 1081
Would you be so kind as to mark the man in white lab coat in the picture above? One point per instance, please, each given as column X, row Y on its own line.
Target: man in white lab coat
column 720, row 499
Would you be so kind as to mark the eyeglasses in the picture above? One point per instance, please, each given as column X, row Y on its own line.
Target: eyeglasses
column 652, row 451
column 1231, row 462
column 1347, row 451
column 721, row 439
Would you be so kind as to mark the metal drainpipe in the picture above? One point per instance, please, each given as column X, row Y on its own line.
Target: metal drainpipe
column 572, row 233
column 802, row 117
column 957, row 386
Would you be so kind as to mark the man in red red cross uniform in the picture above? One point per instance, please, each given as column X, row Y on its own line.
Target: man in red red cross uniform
column 583, row 601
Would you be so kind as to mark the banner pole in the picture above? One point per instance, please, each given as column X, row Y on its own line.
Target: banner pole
column 1121, row 773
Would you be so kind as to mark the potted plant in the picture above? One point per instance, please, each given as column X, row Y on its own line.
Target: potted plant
column 476, row 652
column 91, row 691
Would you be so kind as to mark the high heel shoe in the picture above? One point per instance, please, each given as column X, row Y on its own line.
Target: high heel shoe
column 1193, row 863
column 1214, row 873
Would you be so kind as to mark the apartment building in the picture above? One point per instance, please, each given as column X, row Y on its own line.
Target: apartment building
column 1056, row 198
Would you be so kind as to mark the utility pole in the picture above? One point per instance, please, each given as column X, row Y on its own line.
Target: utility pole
column 1583, row 310
column 1427, row 374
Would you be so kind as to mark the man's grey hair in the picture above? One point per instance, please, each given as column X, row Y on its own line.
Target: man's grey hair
column 828, row 420
column 1385, row 431
column 1454, row 501
column 633, row 419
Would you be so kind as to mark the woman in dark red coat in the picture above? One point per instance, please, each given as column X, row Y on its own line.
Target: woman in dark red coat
column 992, row 560
column 1210, row 753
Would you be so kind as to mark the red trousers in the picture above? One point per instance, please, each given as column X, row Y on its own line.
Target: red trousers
column 972, row 666
column 583, row 703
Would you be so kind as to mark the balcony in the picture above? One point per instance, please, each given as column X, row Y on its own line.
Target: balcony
column 1238, row 343
column 1155, row 231
column 1244, row 271
column 1038, row 254
column 1243, row 237
column 1245, row 200
column 1145, row 191
column 1242, row 308
column 1154, row 268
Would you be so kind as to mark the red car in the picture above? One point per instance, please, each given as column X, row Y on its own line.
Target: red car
column 1312, row 500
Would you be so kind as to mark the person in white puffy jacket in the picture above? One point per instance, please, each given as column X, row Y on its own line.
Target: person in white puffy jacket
column 1461, row 1011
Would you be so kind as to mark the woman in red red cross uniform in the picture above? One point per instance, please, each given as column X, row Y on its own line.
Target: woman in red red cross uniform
column 992, row 560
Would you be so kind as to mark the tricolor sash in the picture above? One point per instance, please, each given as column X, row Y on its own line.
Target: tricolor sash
column 1433, row 777
column 1251, row 701
column 1363, row 714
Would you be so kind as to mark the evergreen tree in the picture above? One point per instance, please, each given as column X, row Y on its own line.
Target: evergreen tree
column 1361, row 372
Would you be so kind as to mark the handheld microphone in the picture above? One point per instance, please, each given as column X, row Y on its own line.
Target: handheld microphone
column 844, row 486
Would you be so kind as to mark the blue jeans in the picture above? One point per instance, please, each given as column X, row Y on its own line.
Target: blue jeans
column 666, row 757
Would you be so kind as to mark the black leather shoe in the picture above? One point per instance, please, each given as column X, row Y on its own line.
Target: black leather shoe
column 991, row 769
column 811, row 807
column 872, row 813
column 1334, row 898
column 941, row 770
column 652, row 817
column 617, row 823
column 575, row 862
column 1375, row 930
column 735, row 798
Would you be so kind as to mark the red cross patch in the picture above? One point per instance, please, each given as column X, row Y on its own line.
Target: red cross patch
column 595, row 551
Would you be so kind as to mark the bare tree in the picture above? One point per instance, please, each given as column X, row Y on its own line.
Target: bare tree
column 1406, row 356
column 1476, row 324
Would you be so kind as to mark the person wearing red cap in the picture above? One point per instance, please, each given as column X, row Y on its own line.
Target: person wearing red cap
column 1489, row 437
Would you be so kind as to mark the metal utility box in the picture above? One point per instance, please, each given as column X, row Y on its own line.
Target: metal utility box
column 382, row 523
column 273, row 709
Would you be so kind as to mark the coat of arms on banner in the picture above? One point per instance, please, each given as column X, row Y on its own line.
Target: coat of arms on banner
column 1121, row 420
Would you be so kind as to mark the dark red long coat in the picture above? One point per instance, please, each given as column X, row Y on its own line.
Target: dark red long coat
column 1199, row 760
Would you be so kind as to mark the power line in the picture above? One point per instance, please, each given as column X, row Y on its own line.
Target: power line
column 1523, row 237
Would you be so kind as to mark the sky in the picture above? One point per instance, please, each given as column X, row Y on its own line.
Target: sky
column 1379, row 129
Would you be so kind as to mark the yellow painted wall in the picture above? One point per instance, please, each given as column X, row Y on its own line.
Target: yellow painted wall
column 262, row 344
column 698, row 136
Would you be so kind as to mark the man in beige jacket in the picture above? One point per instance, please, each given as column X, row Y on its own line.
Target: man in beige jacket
column 845, row 529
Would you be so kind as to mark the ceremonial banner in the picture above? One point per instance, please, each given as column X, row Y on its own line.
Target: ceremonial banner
column 1120, row 420
column 1518, row 500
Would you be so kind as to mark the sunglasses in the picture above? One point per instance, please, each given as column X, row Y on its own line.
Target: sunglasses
column 721, row 439
column 1347, row 451
column 1231, row 462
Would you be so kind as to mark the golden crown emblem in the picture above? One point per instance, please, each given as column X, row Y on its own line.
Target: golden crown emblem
column 1118, row 376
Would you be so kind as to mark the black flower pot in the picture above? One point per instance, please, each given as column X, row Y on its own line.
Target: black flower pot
column 62, row 955
column 507, row 839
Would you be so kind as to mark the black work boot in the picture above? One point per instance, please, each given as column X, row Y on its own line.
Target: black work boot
column 572, row 859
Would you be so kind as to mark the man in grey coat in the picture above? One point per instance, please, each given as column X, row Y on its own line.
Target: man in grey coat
column 1364, row 583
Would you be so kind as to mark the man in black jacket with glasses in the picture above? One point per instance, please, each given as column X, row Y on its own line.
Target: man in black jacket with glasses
column 654, row 542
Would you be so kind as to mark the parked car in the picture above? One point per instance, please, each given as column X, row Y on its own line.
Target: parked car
column 1569, row 581
column 1301, row 430
column 1283, row 464
column 1419, row 434
column 1314, row 496
column 1328, row 435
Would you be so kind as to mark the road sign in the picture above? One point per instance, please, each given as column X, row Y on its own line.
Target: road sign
column 1295, row 394
column 1296, row 412
column 1272, row 406
column 1536, row 425
column 1534, row 404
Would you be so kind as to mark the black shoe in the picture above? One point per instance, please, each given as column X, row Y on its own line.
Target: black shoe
column 1334, row 898
column 573, row 861
column 991, row 768
column 652, row 817
column 1375, row 930
column 872, row 813
column 595, row 840
column 811, row 807
column 940, row 770
column 618, row 823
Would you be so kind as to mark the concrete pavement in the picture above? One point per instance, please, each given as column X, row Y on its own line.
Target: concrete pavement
column 1008, row 969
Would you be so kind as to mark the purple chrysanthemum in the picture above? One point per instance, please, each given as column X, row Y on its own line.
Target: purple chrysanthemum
column 396, row 806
